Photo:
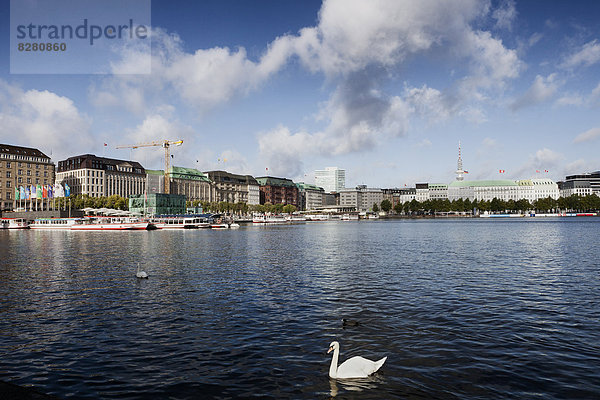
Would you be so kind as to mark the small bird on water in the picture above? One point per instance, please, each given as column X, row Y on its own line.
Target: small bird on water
column 141, row 274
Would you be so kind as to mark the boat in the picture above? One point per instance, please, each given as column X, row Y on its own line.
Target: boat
column 220, row 226
column 180, row 222
column 318, row 217
column 13, row 223
column 54, row 223
column 268, row 219
column 350, row 217
column 234, row 225
column 295, row 219
column 110, row 224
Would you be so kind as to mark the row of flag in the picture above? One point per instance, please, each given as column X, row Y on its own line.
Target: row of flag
column 42, row 192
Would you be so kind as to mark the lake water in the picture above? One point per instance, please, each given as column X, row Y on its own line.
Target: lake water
column 463, row 309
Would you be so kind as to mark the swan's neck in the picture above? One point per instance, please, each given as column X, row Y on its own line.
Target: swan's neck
column 334, row 364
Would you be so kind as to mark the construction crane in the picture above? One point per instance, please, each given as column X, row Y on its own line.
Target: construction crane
column 166, row 144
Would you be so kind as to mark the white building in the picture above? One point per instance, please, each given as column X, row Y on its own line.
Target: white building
column 331, row 179
column 99, row 176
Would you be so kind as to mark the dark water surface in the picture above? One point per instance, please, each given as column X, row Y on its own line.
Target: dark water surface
column 464, row 309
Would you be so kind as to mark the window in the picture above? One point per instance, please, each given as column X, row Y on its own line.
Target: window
column 7, row 164
column 8, row 194
column 28, row 180
column 8, row 184
column 20, row 180
column 28, row 172
column 20, row 172
column 45, row 173
column 37, row 173
column 8, row 174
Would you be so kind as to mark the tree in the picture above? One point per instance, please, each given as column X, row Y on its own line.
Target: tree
column 398, row 208
column 289, row 208
column 375, row 207
column 386, row 205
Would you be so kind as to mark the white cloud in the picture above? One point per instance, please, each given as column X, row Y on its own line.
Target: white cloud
column 43, row 120
column 587, row 136
column 424, row 143
column 570, row 100
column 505, row 14
column 542, row 160
column 541, row 89
column 589, row 54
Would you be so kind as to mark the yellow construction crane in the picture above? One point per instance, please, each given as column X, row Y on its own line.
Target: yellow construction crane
column 166, row 144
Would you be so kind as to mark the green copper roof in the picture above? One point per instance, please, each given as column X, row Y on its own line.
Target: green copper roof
column 490, row 183
column 268, row 180
column 187, row 173
column 155, row 172
column 308, row 186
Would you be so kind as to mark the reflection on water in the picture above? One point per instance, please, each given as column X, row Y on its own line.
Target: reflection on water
column 463, row 308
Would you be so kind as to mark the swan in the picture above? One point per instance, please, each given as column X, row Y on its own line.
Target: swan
column 355, row 367
column 140, row 273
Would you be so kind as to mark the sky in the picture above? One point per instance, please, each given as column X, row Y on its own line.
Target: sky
column 385, row 89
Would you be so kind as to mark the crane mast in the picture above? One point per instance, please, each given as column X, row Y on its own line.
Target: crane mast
column 166, row 144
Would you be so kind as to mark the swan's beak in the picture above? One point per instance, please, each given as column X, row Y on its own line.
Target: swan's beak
column 330, row 350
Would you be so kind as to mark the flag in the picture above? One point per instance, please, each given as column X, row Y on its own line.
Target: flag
column 27, row 193
column 39, row 192
column 466, row 172
column 501, row 171
column 537, row 171
column 105, row 145
column 545, row 170
column 44, row 192
column 23, row 197
column 33, row 192
column 67, row 190
column 17, row 193
column 50, row 191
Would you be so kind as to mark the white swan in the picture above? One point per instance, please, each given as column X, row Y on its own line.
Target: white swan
column 140, row 273
column 355, row 367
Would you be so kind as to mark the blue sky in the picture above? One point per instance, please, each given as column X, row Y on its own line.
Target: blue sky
column 383, row 89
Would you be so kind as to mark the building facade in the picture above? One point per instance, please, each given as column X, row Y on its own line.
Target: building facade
column 234, row 188
column 99, row 176
column 591, row 179
column 278, row 191
column 311, row 196
column 331, row 179
column 575, row 187
column 191, row 183
column 22, row 166
column 361, row 197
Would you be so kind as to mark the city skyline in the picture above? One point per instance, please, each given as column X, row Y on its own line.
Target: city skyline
column 384, row 90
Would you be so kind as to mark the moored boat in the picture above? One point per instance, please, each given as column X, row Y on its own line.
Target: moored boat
column 110, row 224
column 54, row 223
column 180, row 222
column 13, row 223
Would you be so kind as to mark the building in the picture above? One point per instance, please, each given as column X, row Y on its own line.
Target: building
column 361, row 197
column 157, row 204
column 575, row 187
column 331, row 179
column 155, row 181
column 278, row 191
column 22, row 166
column 592, row 179
column 191, row 183
column 311, row 196
column 99, row 176
column 234, row 188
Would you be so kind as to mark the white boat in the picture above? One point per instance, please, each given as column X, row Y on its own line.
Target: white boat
column 234, row 225
column 350, row 217
column 180, row 223
column 318, row 217
column 219, row 226
column 295, row 219
column 109, row 224
column 268, row 219
column 13, row 223
column 54, row 223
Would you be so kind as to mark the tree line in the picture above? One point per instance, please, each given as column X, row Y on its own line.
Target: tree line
column 573, row 203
